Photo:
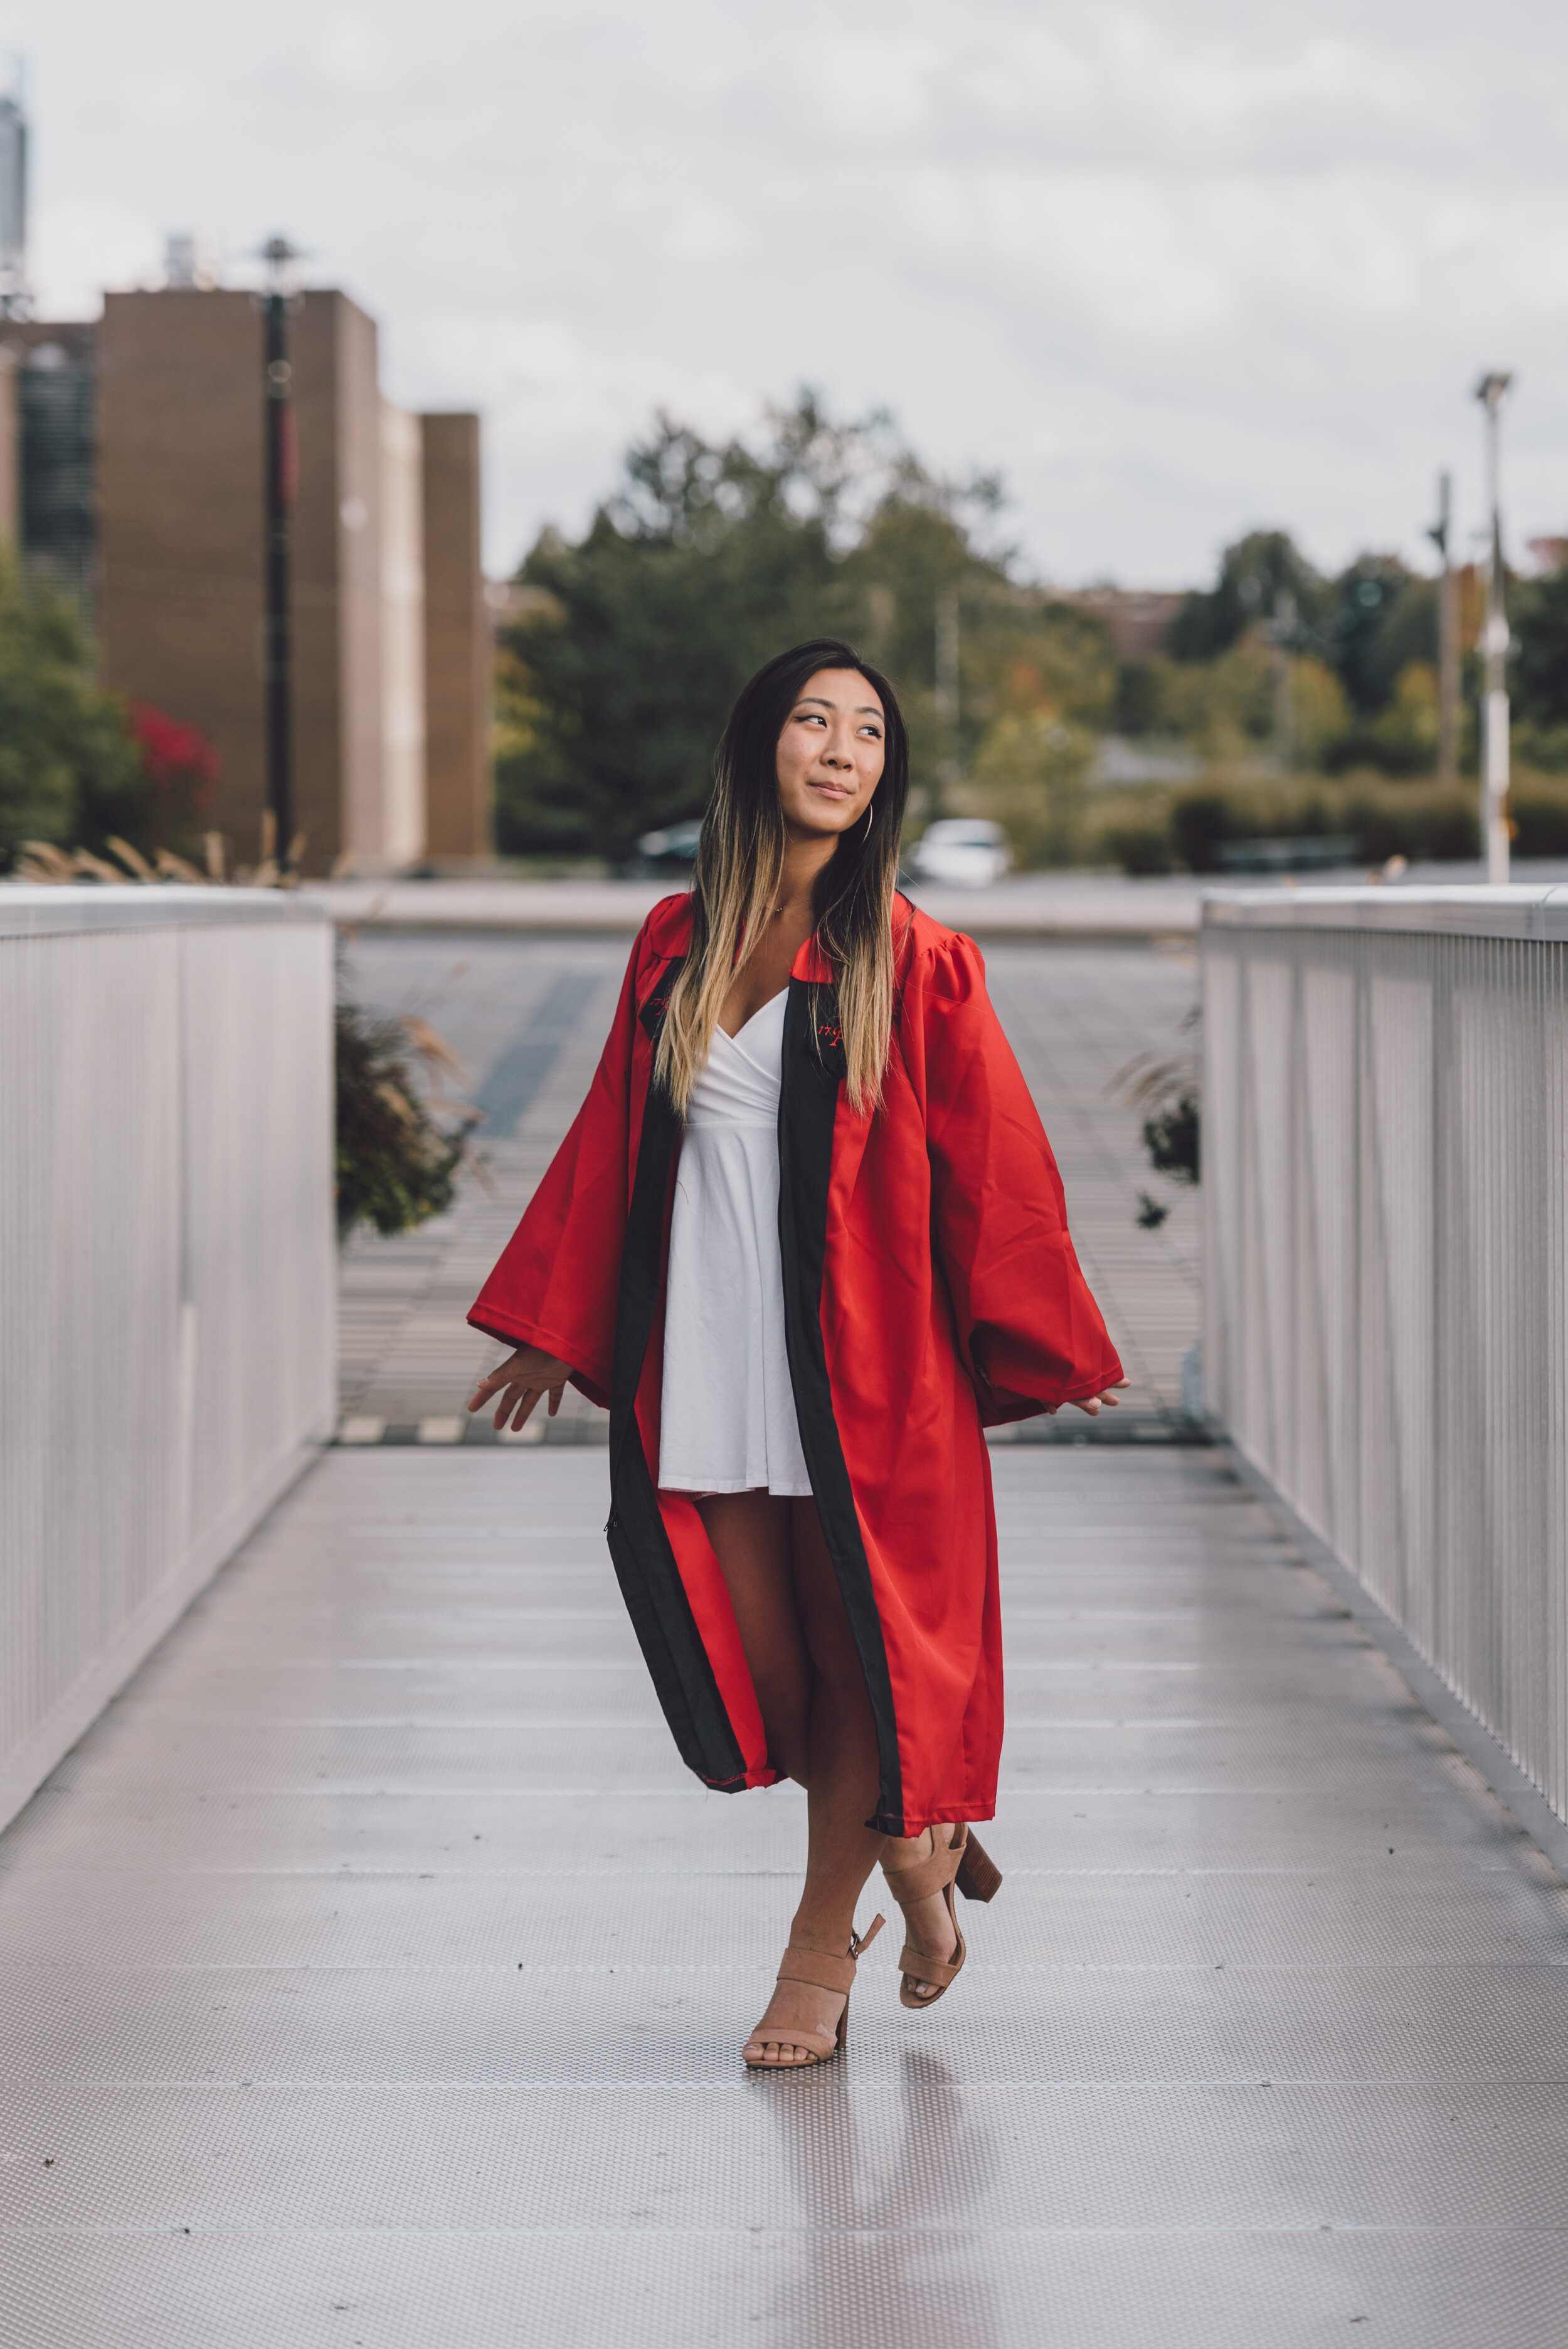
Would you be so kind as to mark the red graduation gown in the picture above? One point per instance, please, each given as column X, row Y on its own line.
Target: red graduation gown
column 931, row 1290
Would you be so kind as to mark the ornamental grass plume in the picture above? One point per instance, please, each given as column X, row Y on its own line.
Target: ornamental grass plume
column 401, row 1146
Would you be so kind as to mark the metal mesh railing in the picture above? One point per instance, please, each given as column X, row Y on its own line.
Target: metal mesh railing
column 167, row 1346
column 1387, row 1247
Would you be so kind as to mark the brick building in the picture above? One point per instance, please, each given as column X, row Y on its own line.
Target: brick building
column 1139, row 619
column 137, row 485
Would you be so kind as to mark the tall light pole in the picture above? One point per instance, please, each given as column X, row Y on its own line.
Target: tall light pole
column 947, row 688
column 1492, row 391
column 1281, row 631
column 282, row 482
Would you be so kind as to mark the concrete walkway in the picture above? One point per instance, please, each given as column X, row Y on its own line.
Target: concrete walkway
column 1040, row 906
column 372, row 1975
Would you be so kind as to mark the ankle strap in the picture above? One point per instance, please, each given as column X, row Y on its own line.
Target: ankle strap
column 860, row 1942
column 816, row 1966
column 924, row 1876
column 824, row 1970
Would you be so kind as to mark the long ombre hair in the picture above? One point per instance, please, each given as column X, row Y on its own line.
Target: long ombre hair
column 740, row 864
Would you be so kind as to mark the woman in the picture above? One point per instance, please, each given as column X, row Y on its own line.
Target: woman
column 806, row 1240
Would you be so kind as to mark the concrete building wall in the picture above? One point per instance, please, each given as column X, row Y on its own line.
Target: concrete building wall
column 180, row 524
column 459, row 654
column 180, row 486
column 391, row 633
column 352, row 518
column 402, row 822
column 1139, row 619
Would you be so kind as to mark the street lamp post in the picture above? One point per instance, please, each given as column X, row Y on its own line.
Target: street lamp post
column 1282, row 632
column 282, row 481
column 1492, row 391
column 947, row 690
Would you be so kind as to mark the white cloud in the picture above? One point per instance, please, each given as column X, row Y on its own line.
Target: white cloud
column 82, row 250
column 1174, row 268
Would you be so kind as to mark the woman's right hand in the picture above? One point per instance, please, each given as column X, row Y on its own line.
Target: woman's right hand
column 520, row 1381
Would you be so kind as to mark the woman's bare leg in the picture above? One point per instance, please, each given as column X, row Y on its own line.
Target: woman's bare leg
column 750, row 1538
column 842, row 1795
column 812, row 1694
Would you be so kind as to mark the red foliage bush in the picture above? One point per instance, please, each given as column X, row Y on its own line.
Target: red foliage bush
column 177, row 761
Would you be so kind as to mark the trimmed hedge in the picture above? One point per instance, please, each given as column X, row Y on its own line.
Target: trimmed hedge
column 1420, row 821
column 1425, row 822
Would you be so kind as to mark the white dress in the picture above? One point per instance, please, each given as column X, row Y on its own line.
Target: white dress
column 727, row 1420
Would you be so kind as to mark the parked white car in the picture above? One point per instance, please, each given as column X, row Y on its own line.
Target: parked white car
column 965, row 851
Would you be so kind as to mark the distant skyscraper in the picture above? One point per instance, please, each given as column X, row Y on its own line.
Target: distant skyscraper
column 13, row 195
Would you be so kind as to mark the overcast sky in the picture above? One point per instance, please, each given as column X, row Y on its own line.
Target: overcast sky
column 1175, row 268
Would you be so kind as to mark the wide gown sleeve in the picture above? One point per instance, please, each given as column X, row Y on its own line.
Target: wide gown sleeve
column 556, row 1281
column 1029, row 1330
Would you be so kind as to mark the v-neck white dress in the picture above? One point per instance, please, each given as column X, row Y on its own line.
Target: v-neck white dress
column 728, row 1420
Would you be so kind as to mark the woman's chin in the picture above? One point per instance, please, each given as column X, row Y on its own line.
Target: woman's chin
column 822, row 823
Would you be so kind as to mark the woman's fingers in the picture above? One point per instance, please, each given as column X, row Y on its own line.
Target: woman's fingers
column 520, row 1381
column 1091, row 1403
column 512, row 1391
column 517, row 1405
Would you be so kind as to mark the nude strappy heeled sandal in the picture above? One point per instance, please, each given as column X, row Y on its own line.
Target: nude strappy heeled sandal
column 824, row 1973
column 964, row 1862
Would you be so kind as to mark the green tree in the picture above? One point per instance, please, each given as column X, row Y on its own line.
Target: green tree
column 630, row 646
column 1031, row 777
column 1255, row 575
column 1540, row 671
column 1382, row 618
column 70, row 770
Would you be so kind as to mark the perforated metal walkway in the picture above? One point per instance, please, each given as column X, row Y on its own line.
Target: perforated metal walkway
column 373, row 1975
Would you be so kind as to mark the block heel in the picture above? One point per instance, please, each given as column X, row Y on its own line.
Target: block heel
column 978, row 1877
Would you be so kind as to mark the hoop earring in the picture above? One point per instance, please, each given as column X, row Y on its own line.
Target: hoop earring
column 871, row 810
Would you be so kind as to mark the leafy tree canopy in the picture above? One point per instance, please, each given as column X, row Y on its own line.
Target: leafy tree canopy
column 1368, row 625
column 630, row 646
column 1255, row 575
column 1381, row 617
column 71, row 770
column 1540, row 678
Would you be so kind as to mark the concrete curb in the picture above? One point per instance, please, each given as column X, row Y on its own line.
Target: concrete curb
column 1094, row 916
column 451, row 1433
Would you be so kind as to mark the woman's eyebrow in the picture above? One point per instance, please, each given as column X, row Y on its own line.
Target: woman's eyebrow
column 863, row 710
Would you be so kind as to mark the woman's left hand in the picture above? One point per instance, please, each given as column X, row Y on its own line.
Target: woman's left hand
column 1091, row 1403
column 520, row 1381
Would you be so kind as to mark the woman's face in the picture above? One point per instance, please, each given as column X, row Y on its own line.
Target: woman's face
column 830, row 752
